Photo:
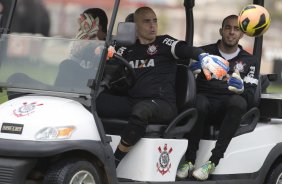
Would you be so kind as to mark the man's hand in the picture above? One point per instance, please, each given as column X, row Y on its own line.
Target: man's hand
column 235, row 83
column 213, row 65
column 88, row 27
column 111, row 51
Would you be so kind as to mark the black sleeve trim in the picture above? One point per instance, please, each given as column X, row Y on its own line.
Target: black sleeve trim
column 183, row 51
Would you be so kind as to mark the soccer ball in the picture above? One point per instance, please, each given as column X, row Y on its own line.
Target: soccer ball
column 254, row 20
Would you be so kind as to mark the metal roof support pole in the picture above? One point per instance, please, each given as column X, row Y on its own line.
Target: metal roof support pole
column 189, row 4
column 8, row 17
column 257, row 51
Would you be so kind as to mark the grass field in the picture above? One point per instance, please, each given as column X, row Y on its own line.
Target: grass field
column 45, row 73
column 3, row 97
column 274, row 89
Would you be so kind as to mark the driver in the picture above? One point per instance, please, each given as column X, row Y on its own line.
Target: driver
column 152, row 98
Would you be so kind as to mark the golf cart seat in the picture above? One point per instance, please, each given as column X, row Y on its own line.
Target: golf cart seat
column 250, row 119
column 182, row 123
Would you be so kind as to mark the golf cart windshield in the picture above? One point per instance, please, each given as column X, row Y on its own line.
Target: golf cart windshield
column 42, row 64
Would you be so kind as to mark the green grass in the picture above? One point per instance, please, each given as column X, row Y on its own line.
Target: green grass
column 45, row 74
column 270, row 89
column 3, row 97
column 274, row 89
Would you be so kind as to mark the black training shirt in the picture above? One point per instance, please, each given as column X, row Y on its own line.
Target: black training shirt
column 155, row 66
column 244, row 62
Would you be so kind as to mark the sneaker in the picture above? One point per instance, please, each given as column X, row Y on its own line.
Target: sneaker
column 185, row 170
column 203, row 172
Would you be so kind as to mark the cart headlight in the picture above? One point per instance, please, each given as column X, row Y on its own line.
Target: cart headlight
column 54, row 133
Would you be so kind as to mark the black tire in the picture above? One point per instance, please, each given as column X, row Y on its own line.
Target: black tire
column 65, row 171
column 275, row 176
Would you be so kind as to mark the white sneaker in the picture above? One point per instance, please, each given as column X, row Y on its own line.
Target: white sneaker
column 203, row 172
column 185, row 170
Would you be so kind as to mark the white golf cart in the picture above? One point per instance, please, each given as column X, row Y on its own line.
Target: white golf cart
column 51, row 133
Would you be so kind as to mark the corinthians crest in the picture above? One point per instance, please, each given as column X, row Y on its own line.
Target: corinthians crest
column 152, row 50
column 240, row 66
column 26, row 109
column 163, row 165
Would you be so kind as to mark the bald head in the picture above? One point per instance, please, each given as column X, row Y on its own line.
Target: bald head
column 141, row 11
column 146, row 24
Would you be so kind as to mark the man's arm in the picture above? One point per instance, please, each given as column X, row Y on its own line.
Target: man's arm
column 210, row 64
column 246, row 83
column 251, row 83
column 183, row 51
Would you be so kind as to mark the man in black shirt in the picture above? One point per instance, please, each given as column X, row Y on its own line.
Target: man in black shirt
column 224, row 100
column 152, row 98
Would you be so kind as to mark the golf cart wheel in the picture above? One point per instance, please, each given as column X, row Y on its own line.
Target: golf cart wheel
column 275, row 177
column 72, row 172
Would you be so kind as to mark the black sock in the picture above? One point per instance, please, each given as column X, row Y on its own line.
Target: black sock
column 214, row 160
column 119, row 155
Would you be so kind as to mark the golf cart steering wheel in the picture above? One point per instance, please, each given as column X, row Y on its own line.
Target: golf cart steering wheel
column 128, row 78
column 129, row 74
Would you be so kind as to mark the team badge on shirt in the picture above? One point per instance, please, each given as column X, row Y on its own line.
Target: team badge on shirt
column 152, row 50
column 240, row 66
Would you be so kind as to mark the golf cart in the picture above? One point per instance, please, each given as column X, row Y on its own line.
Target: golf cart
column 52, row 134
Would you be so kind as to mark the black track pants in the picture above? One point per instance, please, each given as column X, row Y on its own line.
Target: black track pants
column 139, row 113
column 225, row 109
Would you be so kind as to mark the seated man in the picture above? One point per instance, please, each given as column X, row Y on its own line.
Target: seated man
column 129, row 17
column 225, row 100
column 152, row 98
column 92, row 26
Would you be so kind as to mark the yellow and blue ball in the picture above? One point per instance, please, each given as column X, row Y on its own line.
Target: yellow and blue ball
column 254, row 20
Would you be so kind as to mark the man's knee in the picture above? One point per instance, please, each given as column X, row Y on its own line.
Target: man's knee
column 141, row 114
column 238, row 101
column 202, row 103
column 143, row 111
column 134, row 131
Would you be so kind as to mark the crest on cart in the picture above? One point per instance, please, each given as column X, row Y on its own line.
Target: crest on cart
column 163, row 164
column 26, row 109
